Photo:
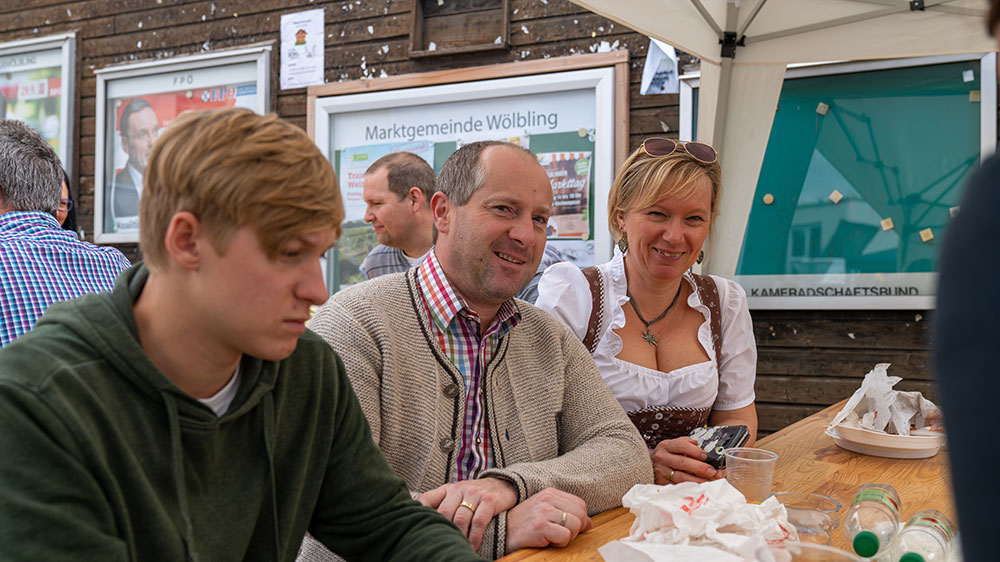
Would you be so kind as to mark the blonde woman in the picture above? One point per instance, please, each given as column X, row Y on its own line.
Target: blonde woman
column 676, row 349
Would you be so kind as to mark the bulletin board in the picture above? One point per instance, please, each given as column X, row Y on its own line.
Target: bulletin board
column 144, row 98
column 36, row 86
column 571, row 112
column 865, row 168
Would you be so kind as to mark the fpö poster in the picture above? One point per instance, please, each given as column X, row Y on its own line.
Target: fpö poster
column 139, row 108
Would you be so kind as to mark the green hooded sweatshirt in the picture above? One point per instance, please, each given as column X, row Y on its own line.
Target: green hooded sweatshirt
column 103, row 458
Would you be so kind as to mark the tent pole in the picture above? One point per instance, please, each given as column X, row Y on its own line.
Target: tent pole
column 827, row 24
column 895, row 9
column 937, row 7
column 725, row 76
column 750, row 18
column 707, row 17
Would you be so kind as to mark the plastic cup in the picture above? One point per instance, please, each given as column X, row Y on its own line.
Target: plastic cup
column 813, row 515
column 804, row 552
column 750, row 471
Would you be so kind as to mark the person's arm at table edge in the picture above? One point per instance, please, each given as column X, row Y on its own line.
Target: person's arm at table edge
column 612, row 451
column 342, row 331
column 738, row 364
column 746, row 415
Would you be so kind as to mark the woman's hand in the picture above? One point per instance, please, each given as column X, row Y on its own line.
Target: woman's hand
column 680, row 460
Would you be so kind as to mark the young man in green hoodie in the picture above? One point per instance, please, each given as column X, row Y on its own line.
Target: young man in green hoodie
column 189, row 414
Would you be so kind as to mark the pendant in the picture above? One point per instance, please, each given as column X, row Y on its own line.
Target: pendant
column 649, row 337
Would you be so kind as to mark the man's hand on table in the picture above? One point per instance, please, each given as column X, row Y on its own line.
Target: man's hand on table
column 680, row 460
column 550, row 517
column 472, row 504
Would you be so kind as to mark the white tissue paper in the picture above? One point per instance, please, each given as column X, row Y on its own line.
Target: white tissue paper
column 876, row 406
column 710, row 522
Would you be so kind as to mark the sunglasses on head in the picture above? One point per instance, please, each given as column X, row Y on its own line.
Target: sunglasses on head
column 700, row 151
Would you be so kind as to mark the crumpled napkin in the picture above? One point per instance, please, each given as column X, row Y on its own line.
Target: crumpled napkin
column 705, row 522
column 876, row 406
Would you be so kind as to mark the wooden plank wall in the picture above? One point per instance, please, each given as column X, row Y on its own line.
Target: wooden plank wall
column 807, row 359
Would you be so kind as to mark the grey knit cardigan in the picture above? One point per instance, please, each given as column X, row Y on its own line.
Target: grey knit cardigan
column 551, row 419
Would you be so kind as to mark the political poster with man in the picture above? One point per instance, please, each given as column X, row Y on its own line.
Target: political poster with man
column 137, row 102
column 137, row 122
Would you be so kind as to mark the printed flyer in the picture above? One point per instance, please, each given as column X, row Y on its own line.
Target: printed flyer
column 569, row 173
column 30, row 90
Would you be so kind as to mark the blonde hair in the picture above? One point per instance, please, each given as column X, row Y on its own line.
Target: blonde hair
column 643, row 180
column 233, row 168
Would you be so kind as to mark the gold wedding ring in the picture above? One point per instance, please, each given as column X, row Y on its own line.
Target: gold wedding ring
column 670, row 477
column 562, row 521
column 468, row 505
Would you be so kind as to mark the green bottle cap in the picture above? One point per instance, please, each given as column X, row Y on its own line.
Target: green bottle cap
column 911, row 557
column 866, row 543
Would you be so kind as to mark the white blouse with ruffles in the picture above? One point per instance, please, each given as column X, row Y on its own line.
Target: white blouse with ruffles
column 564, row 292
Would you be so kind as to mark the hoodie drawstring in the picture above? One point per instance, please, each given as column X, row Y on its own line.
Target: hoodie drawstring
column 180, row 485
column 269, row 447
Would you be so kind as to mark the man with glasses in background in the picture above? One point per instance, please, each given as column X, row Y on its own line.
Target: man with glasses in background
column 40, row 263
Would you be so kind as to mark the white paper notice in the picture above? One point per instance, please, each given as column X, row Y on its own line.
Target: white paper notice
column 301, row 49
column 659, row 75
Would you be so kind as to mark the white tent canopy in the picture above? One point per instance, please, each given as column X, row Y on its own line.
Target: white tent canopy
column 745, row 46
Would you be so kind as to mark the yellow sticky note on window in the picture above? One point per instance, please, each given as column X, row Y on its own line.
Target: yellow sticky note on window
column 887, row 224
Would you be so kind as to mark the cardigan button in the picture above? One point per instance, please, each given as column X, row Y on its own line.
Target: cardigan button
column 447, row 445
column 451, row 390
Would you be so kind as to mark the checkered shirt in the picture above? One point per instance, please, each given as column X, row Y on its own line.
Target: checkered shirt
column 40, row 263
column 457, row 330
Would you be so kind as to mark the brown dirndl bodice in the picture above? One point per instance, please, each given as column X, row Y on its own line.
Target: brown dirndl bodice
column 656, row 423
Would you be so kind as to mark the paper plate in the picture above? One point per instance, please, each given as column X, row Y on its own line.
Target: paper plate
column 879, row 444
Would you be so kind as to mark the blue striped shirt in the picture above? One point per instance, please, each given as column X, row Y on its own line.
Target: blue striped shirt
column 40, row 263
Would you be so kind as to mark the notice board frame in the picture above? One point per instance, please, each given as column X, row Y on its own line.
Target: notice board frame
column 65, row 44
column 855, row 285
column 322, row 99
column 250, row 64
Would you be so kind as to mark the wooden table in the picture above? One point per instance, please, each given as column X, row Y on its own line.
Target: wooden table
column 808, row 461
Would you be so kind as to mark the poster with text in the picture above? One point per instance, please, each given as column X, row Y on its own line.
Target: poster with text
column 549, row 124
column 31, row 91
column 357, row 237
column 563, row 118
column 569, row 173
column 301, row 49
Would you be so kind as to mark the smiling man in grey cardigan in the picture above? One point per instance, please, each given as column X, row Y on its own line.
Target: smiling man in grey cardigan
column 490, row 410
